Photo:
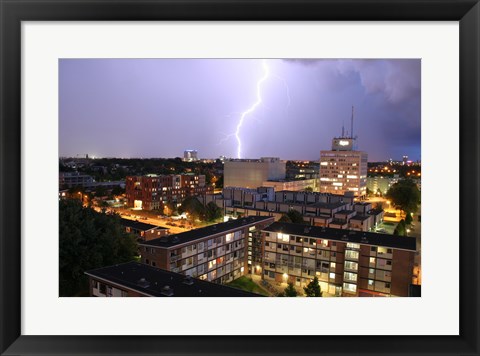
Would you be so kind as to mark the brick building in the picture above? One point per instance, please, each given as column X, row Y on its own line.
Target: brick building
column 153, row 191
column 347, row 263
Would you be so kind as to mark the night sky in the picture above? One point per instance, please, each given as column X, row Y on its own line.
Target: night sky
column 161, row 107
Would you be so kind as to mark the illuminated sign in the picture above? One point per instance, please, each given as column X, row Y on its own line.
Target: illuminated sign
column 343, row 143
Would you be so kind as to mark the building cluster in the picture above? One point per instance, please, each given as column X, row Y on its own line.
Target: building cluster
column 318, row 209
column 347, row 263
column 335, row 244
column 153, row 191
column 266, row 172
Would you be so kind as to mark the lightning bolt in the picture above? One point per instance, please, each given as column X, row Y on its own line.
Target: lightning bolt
column 258, row 102
column 252, row 108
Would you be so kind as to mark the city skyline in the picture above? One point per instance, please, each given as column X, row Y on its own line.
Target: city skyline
column 245, row 108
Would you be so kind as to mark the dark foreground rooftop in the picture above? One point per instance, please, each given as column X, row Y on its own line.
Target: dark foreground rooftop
column 360, row 237
column 137, row 225
column 155, row 282
column 188, row 236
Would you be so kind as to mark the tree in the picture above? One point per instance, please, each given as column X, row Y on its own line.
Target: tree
column 293, row 216
column 313, row 288
column 308, row 189
column 401, row 229
column 404, row 195
column 408, row 218
column 89, row 240
column 285, row 219
column 290, row 291
column 118, row 190
column 213, row 212
column 193, row 207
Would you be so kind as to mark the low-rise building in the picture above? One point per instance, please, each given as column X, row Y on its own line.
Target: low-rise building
column 319, row 209
column 347, row 263
column 134, row 279
column 74, row 179
column 217, row 253
column 144, row 231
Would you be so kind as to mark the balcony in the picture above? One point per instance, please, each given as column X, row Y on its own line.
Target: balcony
column 174, row 258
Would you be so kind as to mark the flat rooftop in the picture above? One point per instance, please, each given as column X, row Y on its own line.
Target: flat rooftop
column 325, row 205
column 192, row 235
column 360, row 237
column 137, row 225
column 345, row 212
column 360, row 217
column 152, row 281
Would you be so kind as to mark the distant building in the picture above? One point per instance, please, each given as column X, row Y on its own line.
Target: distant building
column 251, row 173
column 343, row 169
column 381, row 184
column 293, row 185
column 152, row 191
column 74, row 179
column 190, row 155
column 134, row 279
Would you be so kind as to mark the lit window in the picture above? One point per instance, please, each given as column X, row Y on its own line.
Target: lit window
column 332, row 275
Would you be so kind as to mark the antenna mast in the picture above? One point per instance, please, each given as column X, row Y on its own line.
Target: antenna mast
column 351, row 131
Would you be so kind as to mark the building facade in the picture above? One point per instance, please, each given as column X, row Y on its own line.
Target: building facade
column 74, row 179
column 190, row 156
column 343, row 169
column 251, row 173
column 153, row 191
column 347, row 263
column 218, row 253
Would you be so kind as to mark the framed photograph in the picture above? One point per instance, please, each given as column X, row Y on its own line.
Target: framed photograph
column 295, row 127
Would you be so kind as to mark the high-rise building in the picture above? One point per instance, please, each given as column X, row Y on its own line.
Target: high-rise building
column 251, row 173
column 190, row 155
column 343, row 168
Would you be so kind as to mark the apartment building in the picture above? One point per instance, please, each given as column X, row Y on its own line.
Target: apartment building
column 347, row 263
column 343, row 169
column 218, row 253
column 134, row 279
column 153, row 191
column 319, row 209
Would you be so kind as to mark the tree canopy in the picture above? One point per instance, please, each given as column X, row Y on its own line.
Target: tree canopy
column 193, row 207
column 313, row 288
column 213, row 212
column 404, row 195
column 89, row 240
column 290, row 291
column 293, row 216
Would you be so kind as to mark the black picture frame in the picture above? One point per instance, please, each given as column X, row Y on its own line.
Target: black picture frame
column 13, row 12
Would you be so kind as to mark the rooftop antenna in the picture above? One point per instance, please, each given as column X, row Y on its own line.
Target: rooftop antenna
column 343, row 129
column 351, row 131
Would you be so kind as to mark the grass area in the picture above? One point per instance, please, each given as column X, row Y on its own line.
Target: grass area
column 248, row 285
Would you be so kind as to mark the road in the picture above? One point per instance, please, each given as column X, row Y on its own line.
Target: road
column 144, row 217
